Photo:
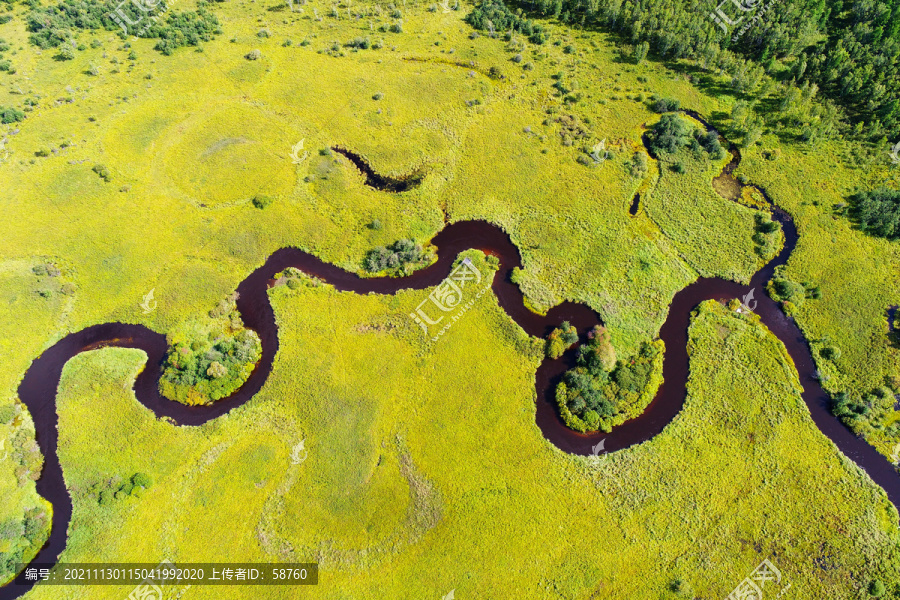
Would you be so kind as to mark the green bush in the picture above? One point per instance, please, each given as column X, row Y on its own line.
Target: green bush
column 561, row 339
column 10, row 115
column 103, row 172
column 495, row 15
column 7, row 413
column 141, row 480
column 211, row 361
column 595, row 395
column 395, row 257
column 65, row 53
column 51, row 26
column 669, row 134
column 212, row 372
column 664, row 105
column 876, row 588
column 785, row 290
column 878, row 212
column 638, row 166
column 361, row 43
column 261, row 202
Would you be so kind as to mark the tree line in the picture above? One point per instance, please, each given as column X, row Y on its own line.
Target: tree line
column 848, row 52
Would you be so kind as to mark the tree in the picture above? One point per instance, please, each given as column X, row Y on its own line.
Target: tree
column 752, row 135
column 561, row 339
column 65, row 52
column 669, row 134
column 878, row 212
column 599, row 352
column 640, row 52
column 217, row 370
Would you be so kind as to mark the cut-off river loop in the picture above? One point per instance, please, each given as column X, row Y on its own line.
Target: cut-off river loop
column 38, row 388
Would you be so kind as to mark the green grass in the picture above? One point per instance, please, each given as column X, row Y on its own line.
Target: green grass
column 426, row 479
column 441, row 481
column 712, row 234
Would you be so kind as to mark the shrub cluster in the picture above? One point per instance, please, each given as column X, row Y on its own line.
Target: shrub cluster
column 638, row 166
column 664, row 105
column 51, row 26
column 20, row 538
column 201, row 372
column 5, row 65
column 878, row 212
column 669, row 134
column 790, row 293
column 26, row 455
column 396, row 257
column 10, row 115
column 672, row 133
column 261, row 201
column 855, row 409
column 600, row 388
column 132, row 486
column 561, row 339
column 211, row 363
column 493, row 15
column 103, row 172
column 765, row 235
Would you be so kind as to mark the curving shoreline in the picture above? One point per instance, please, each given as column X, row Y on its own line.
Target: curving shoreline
column 39, row 385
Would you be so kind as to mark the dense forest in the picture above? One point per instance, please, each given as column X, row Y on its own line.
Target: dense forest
column 847, row 52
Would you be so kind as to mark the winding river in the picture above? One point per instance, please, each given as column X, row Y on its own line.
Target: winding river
column 39, row 386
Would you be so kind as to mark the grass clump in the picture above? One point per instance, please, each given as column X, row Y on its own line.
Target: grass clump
column 103, row 172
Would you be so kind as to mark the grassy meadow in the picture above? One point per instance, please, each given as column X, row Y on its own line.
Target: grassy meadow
column 439, row 480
